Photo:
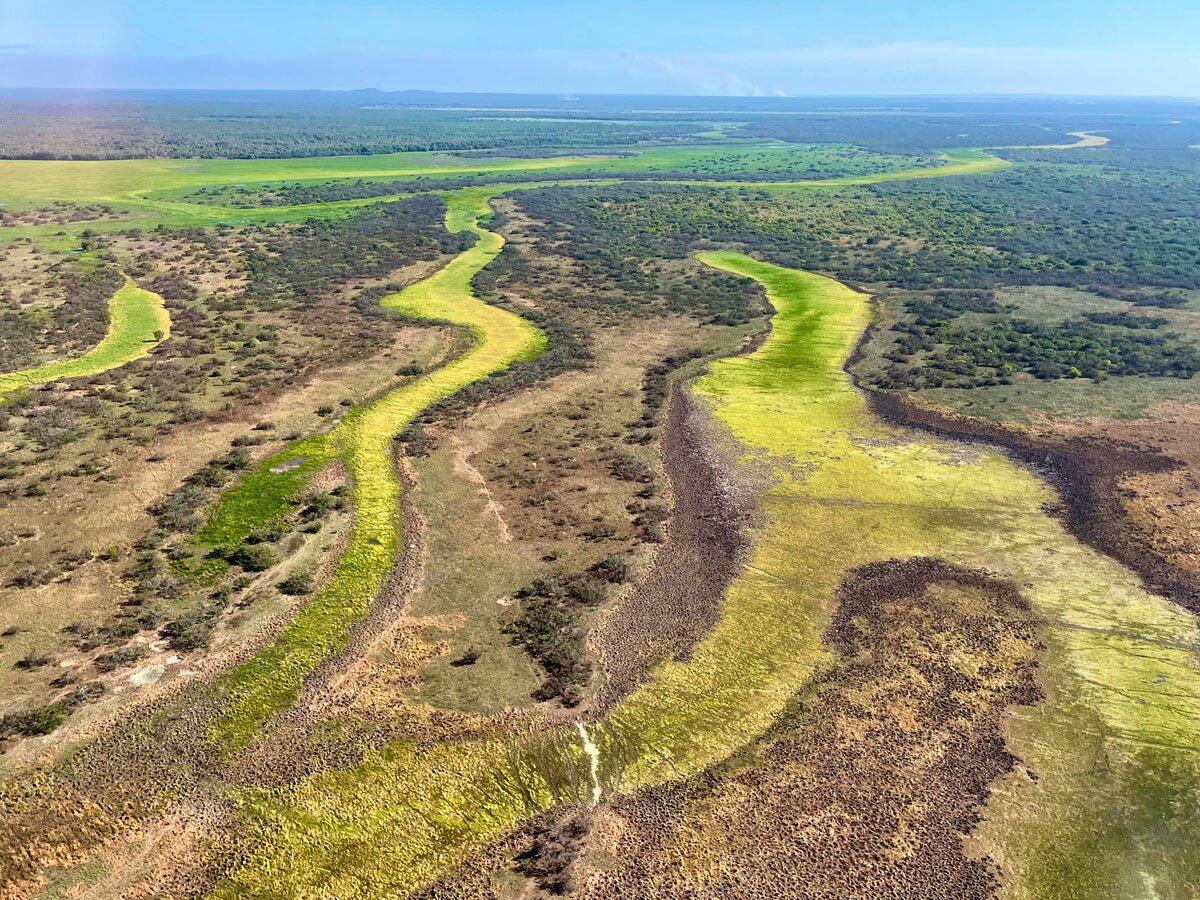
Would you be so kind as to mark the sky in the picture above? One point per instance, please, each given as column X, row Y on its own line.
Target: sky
column 748, row 47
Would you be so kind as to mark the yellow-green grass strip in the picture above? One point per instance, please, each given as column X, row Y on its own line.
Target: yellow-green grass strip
column 426, row 807
column 138, row 322
column 128, row 179
column 1116, row 747
column 271, row 680
column 955, row 161
column 126, row 184
column 844, row 490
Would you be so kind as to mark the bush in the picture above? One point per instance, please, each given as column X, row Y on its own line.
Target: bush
column 31, row 576
column 42, row 720
column 614, row 569
column 32, row 660
column 469, row 657
column 296, row 584
column 268, row 534
column 629, row 469
column 122, row 656
column 253, row 557
column 193, row 629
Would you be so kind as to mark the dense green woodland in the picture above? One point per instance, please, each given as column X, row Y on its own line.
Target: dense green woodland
column 119, row 131
column 1076, row 225
column 1116, row 222
column 250, row 124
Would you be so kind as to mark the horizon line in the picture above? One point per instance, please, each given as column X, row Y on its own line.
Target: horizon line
column 581, row 94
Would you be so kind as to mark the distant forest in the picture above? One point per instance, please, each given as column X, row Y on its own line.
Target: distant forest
column 249, row 124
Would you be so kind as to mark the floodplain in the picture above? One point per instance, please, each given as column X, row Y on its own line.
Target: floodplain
column 384, row 651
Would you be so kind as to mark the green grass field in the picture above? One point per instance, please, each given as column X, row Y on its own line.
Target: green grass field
column 847, row 482
column 137, row 324
column 148, row 192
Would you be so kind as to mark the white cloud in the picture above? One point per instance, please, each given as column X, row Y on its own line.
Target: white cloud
column 940, row 67
column 896, row 68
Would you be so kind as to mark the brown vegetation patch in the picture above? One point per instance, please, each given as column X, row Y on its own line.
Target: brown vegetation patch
column 534, row 862
column 1117, row 481
column 870, row 780
column 679, row 600
column 1161, row 505
column 864, row 788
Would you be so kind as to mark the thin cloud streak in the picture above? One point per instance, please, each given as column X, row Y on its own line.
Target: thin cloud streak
column 896, row 68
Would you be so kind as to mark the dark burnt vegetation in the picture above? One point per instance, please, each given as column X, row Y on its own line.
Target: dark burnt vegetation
column 545, row 851
column 1089, row 474
column 548, row 858
column 679, row 599
column 655, row 391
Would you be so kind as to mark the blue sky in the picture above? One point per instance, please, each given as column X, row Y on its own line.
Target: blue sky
column 700, row 46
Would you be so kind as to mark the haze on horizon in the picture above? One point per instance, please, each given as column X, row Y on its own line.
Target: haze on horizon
column 1098, row 47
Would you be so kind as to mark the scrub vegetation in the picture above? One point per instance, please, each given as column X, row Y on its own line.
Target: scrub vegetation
column 271, row 679
column 137, row 323
column 546, row 498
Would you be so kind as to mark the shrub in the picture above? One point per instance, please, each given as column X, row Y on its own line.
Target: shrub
column 31, row 576
column 32, row 660
column 253, row 557
column 614, row 569
column 268, row 534
column 42, row 720
column 468, row 658
column 629, row 469
column 122, row 656
column 296, row 584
